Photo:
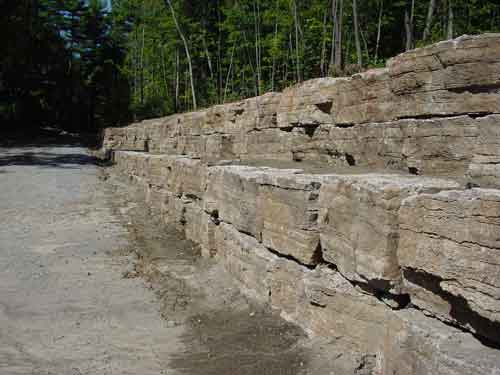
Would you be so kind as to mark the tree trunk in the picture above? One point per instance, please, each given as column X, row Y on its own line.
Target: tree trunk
column 256, row 14
column 379, row 28
column 428, row 23
column 229, row 71
column 338, row 39
column 450, row 20
column 323, row 45
column 334, row 31
column 408, row 25
column 273, row 71
column 219, row 55
column 188, row 55
column 209, row 59
column 356, row 33
column 164, row 69
column 177, row 80
column 142, row 66
column 297, row 58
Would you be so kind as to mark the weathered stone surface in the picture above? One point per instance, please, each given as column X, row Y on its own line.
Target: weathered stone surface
column 359, row 218
column 232, row 192
column 124, row 138
column 185, row 176
column 307, row 104
column 249, row 114
column 247, row 260
column 268, row 144
column 449, row 252
column 364, row 97
column 173, row 210
column 453, row 77
column 452, row 146
column 288, row 204
column 437, row 146
column 417, row 344
column 199, row 227
column 484, row 168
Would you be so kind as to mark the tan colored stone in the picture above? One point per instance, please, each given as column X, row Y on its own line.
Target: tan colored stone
column 307, row 104
column 185, row 176
column 232, row 192
column 364, row 97
column 360, row 223
column 419, row 345
column 485, row 165
column 288, row 204
column 449, row 252
column 246, row 260
column 199, row 227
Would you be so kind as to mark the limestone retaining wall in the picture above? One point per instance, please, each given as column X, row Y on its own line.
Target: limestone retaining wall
column 366, row 209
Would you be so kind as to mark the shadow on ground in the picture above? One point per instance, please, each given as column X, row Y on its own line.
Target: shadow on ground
column 47, row 137
column 47, row 147
column 222, row 331
column 46, row 159
column 226, row 342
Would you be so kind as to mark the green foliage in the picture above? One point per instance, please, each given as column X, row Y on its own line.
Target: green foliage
column 61, row 65
column 72, row 62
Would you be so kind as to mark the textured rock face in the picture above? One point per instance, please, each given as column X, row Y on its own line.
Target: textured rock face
column 368, row 211
column 232, row 192
column 450, row 256
column 452, row 77
column 485, row 165
column 417, row 344
column 308, row 104
column 290, row 216
column 360, row 224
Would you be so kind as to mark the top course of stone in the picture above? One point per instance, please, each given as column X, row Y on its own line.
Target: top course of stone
column 432, row 110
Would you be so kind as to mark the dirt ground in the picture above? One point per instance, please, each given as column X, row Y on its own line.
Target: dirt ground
column 91, row 283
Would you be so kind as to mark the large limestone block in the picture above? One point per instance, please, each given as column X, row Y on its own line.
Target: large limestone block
column 485, row 166
column 247, row 260
column 199, row 227
column 449, row 78
column 185, row 176
column 307, row 104
column 454, row 77
column 440, row 146
column 288, row 204
column 173, row 210
column 364, row 97
column 189, row 145
column 232, row 193
column 264, row 144
column 327, row 305
column 242, row 116
column 129, row 163
column 449, row 253
column 153, row 168
column 419, row 345
column 191, row 123
column 228, row 127
column 359, row 223
column 463, row 50
column 131, row 138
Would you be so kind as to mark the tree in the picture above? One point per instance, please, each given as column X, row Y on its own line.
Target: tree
column 356, row 33
column 428, row 23
column 186, row 48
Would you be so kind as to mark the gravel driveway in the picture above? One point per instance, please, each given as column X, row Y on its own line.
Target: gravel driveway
column 67, row 309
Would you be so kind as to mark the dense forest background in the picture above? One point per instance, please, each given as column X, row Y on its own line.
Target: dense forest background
column 84, row 64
